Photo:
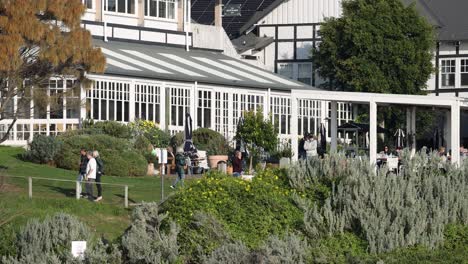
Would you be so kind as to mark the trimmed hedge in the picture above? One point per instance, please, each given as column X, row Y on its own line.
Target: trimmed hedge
column 205, row 139
column 118, row 155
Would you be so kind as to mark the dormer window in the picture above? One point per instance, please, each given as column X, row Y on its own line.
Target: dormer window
column 120, row 6
column 88, row 4
column 165, row 9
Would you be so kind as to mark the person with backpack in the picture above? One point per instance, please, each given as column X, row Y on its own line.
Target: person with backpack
column 99, row 172
column 180, row 162
column 82, row 170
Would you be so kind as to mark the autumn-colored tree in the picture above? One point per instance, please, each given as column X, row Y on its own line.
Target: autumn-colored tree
column 38, row 40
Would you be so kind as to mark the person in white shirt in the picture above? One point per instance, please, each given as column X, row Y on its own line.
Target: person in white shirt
column 310, row 146
column 90, row 177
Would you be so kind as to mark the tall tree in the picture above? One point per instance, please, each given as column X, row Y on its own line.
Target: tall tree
column 40, row 39
column 376, row 46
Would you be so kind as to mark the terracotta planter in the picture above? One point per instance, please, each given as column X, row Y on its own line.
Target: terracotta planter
column 214, row 159
column 150, row 170
column 229, row 170
column 272, row 165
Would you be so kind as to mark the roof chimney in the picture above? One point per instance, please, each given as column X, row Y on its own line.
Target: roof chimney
column 218, row 13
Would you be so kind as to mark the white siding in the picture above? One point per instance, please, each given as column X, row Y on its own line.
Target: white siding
column 303, row 11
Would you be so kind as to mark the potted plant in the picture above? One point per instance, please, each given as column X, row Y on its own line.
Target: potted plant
column 229, row 169
column 213, row 143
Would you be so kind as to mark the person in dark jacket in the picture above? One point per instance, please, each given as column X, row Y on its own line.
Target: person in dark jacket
column 82, row 169
column 180, row 162
column 99, row 172
column 237, row 164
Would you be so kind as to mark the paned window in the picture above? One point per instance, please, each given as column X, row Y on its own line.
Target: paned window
column 464, row 73
column 88, row 3
column 448, row 73
column 204, row 109
column 304, row 73
column 280, row 109
column 160, row 8
column 180, row 105
column 120, row 6
column 286, row 70
column 147, row 102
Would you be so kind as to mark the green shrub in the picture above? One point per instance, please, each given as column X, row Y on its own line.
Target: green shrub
column 291, row 249
column 211, row 141
column 341, row 248
column 249, row 211
column 178, row 139
column 43, row 149
column 111, row 128
column 151, row 130
column 389, row 211
column 118, row 155
column 145, row 241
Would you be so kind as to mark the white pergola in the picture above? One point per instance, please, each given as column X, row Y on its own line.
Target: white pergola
column 453, row 104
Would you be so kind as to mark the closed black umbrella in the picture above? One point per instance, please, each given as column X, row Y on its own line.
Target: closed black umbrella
column 188, row 143
column 323, row 138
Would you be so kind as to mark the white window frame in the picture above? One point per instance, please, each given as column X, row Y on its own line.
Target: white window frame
column 157, row 17
column 295, row 70
column 463, row 70
column 444, row 69
column 116, row 12
column 93, row 8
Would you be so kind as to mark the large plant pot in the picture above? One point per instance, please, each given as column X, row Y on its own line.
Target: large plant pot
column 150, row 170
column 215, row 159
column 229, row 170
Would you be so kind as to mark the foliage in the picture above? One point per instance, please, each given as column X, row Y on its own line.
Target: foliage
column 119, row 157
column 34, row 46
column 43, row 149
column 376, row 46
column 151, row 130
column 257, row 132
column 111, row 128
column 389, row 211
column 290, row 249
column 340, row 248
column 50, row 238
column 229, row 253
column 261, row 208
column 211, row 141
column 145, row 241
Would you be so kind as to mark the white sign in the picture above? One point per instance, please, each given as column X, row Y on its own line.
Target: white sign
column 161, row 153
column 78, row 248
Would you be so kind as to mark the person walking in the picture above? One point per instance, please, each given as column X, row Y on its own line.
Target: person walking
column 99, row 172
column 82, row 169
column 90, row 177
column 310, row 146
column 180, row 162
column 237, row 164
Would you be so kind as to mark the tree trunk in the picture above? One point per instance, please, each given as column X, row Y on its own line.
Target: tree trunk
column 7, row 134
column 250, row 166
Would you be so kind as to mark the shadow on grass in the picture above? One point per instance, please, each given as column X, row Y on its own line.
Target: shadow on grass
column 123, row 197
column 68, row 192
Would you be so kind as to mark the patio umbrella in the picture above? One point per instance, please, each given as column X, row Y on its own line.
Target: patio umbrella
column 188, row 144
column 400, row 135
column 323, row 138
column 435, row 139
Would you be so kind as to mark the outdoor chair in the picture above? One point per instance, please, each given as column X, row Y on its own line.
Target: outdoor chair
column 392, row 165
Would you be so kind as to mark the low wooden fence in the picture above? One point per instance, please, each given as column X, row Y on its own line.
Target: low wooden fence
column 77, row 186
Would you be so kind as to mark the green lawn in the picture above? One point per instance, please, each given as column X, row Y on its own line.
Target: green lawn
column 108, row 218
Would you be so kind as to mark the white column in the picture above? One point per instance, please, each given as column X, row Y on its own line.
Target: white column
column 413, row 131
column 230, row 115
column 323, row 112
column 213, row 110
column 131, row 99
column 455, row 132
column 447, row 135
column 162, row 107
column 372, row 132
column 266, row 111
column 334, row 125
column 193, row 105
column 294, row 127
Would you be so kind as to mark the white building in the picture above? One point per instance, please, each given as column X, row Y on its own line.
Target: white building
column 158, row 68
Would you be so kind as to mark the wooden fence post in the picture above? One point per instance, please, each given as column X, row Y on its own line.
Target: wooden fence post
column 126, row 196
column 78, row 191
column 30, row 187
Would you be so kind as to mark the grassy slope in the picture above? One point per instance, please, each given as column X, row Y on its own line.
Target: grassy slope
column 108, row 218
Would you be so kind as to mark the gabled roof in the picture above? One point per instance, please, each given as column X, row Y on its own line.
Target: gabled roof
column 203, row 13
column 251, row 42
column 259, row 15
column 176, row 64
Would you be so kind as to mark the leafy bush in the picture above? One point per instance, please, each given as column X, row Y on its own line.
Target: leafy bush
column 249, row 211
column 205, row 139
column 389, row 211
column 211, row 141
column 150, row 130
column 49, row 239
column 145, row 241
column 111, row 128
column 43, row 149
column 118, row 155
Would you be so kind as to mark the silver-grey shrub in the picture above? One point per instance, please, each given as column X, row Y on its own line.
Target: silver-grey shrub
column 145, row 241
column 229, row 253
column 390, row 210
column 291, row 249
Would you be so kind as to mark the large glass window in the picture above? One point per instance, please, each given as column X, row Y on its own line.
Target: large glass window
column 204, row 109
column 464, row 73
column 160, row 8
column 120, row 6
column 448, row 73
column 88, row 3
column 304, row 73
column 286, row 69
